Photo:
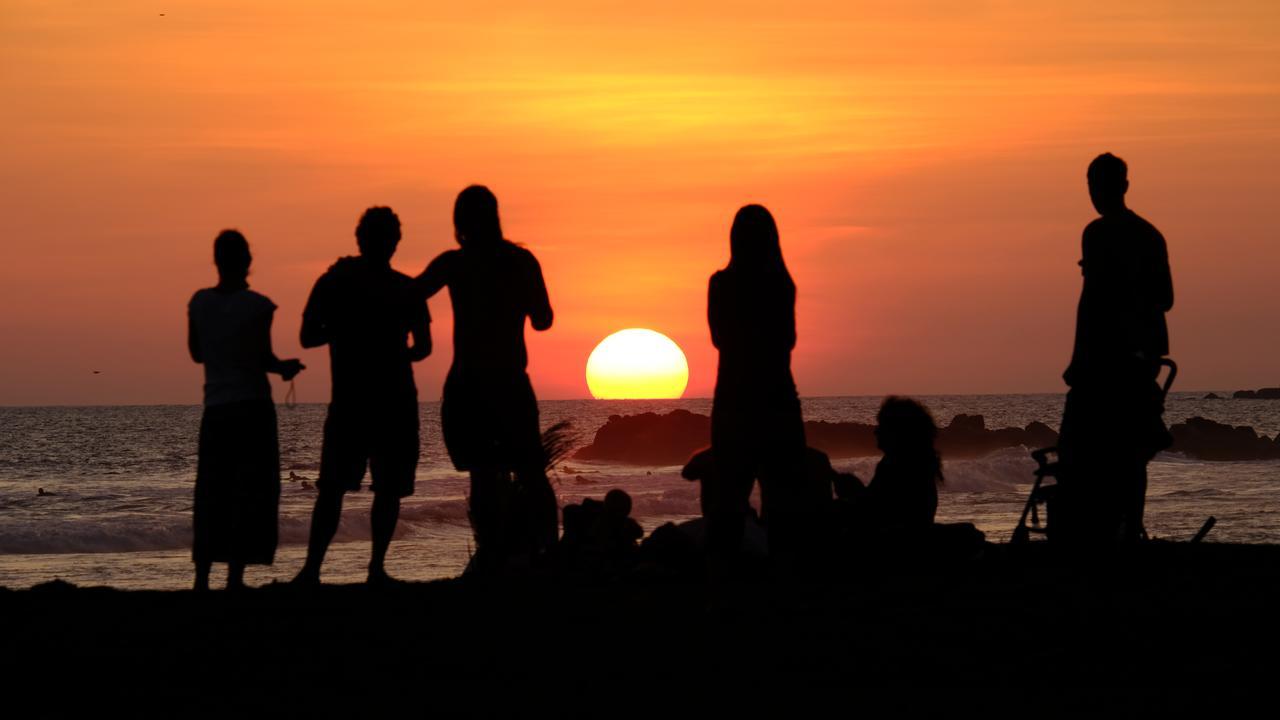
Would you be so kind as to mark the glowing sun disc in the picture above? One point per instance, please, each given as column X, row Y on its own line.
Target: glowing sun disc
column 637, row 364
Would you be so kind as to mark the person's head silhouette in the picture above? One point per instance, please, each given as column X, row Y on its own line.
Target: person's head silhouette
column 378, row 234
column 753, row 241
column 1108, row 182
column 617, row 503
column 904, row 426
column 231, row 256
column 475, row 218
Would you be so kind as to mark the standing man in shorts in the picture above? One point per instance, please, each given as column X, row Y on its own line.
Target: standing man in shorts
column 1112, row 425
column 365, row 311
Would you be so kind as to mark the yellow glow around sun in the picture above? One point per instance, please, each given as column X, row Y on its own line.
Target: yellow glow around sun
column 637, row 364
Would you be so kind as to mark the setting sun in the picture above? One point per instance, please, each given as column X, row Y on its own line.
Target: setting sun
column 637, row 364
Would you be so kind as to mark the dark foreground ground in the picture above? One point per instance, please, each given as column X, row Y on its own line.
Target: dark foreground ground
column 1172, row 627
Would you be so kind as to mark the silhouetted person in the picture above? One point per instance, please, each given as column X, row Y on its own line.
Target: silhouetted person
column 238, row 473
column 1112, row 426
column 903, row 494
column 601, row 538
column 365, row 312
column 489, row 414
column 756, row 427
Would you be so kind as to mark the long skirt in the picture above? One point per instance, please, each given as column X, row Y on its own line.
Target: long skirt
column 237, row 484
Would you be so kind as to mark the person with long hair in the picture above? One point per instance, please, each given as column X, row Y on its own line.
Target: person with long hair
column 489, row 414
column 237, row 493
column 757, row 432
column 903, row 494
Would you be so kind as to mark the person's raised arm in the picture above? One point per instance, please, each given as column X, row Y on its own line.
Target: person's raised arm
column 435, row 276
column 540, row 315
column 315, row 317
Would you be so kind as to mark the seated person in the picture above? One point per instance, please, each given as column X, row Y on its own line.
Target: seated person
column 601, row 537
column 903, row 494
column 720, row 508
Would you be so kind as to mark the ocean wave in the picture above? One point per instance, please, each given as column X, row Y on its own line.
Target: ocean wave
column 1006, row 470
column 55, row 537
column 1196, row 493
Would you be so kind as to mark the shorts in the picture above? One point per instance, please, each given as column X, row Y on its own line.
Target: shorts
column 491, row 422
column 382, row 438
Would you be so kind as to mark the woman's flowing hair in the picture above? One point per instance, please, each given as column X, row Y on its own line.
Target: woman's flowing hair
column 905, row 427
column 755, row 249
column 475, row 218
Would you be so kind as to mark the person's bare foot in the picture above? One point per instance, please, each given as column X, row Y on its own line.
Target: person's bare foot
column 306, row 578
column 380, row 578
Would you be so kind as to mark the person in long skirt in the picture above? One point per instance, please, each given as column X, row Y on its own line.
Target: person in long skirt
column 489, row 413
column 237, row 492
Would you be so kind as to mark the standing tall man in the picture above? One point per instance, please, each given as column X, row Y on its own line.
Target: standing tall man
column 365, row 312
column 1112, row 425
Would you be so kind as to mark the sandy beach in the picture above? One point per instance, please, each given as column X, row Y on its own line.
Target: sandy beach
column 1168, row 626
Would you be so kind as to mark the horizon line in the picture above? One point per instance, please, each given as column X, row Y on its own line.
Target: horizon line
column 631, row 400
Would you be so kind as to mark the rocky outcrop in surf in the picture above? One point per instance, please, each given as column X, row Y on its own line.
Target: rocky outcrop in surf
column 1205, row 439
column 1271, row 393
column 670, row 439
column 649, row 438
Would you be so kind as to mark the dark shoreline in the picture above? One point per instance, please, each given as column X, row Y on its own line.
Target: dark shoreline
column 1161, row 626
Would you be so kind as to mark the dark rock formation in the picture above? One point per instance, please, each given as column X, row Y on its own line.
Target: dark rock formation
column 1208, row 440
column 1213, row 396
column 967, row 436
column 649, row 438
column 1271, row 393
column 670, row 439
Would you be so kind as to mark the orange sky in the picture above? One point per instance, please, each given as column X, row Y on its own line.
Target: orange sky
column 925, row 162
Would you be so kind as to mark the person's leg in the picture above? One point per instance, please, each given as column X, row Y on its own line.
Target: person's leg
column 343, row 457
column 726, row 500
column 1133, row 501
column 541, row 506
column 486, row 511
column 383, row 517
column 795, row 509
column 393, row 467
column 235, row 576
column 202, row 575
column 324, row 525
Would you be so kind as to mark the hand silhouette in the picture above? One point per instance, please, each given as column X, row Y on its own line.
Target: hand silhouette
column 290, row 368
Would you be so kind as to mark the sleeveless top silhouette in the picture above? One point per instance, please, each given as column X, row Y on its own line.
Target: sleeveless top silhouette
column 753, row 324
column 492, row 290
column 489, row 413
column 756, row 422
column 234, row 332
column 367, row 310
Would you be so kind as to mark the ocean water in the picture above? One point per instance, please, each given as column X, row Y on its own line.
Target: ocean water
column 121, row 481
